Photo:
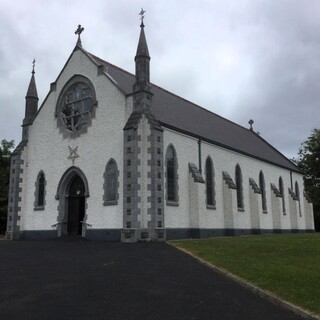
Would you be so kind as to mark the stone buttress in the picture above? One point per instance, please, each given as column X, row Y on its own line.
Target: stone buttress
column 17, row 162
column 143, row 187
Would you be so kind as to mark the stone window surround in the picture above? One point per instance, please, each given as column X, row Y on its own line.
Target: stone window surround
column 38, row 207
column 281, row 189
column 297, row 192
column 60, row 124
column 107, row 202
column 239, row 187
column 213, row 205
column 262, row 186
column 174, row 202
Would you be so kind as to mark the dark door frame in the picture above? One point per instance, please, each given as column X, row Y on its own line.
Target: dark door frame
column 62, row 196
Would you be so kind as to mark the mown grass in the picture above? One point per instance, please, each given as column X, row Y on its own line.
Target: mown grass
column 287, row 265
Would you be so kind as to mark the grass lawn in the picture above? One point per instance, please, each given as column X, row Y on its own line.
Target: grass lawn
column 287, row 265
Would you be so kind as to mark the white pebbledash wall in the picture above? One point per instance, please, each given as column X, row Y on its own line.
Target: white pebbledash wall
column 48, row 151
column 225, row 160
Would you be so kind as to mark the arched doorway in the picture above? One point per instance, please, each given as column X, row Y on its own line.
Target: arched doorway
column 72, row 194
column 76, row 206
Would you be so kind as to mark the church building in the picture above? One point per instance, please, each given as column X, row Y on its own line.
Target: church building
column 111, row 156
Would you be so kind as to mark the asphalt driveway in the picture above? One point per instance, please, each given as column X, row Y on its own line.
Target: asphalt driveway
column 79, row 279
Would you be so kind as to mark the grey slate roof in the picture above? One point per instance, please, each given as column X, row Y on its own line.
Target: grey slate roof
column 177, row 113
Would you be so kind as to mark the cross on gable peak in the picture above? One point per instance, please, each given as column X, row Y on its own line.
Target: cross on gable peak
column 79, row 30
column 33, row 64
column 142, row 12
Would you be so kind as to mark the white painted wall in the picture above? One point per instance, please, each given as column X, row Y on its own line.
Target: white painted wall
column 178, row 217
column 48, row 151
column 226, row 160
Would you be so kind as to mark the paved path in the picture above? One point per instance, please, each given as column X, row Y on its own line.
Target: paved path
column 78, row 279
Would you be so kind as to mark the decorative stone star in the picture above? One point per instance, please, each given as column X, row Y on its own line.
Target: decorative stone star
column 73, row 154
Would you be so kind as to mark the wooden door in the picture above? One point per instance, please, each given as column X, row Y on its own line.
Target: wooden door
column 76, row 206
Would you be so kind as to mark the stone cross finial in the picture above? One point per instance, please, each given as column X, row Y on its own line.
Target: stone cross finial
column 142, row 12
column 79, row 30
column 251, row 122
column 33, row 64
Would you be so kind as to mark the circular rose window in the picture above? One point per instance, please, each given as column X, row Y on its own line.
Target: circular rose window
column 76, row 106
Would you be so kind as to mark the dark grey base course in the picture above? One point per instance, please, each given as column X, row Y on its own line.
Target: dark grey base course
column 39, row 234
column 91, row 234
column 104, row 234
column 171, row 234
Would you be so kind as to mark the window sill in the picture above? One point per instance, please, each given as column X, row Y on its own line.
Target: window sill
column 211, row 207
column 38, row 208
column 110, row 203
column 240, row 209
column 172, row 203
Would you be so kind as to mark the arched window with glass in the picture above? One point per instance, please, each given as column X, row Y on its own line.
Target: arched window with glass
column 210, row 191
column 171, row 175
column 262, row 186
column 297, row 192
column 238, row 179
column 111, row 183
column 40, row 192
column 281, row 189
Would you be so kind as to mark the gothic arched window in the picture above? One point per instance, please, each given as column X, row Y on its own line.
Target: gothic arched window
column 171, row 175
column 239, row 187
column 111, row 183
column 297, row 190
column 281, row 189
column 210, row 192
column 298, row 195
column 262, row 186
column 40, row 191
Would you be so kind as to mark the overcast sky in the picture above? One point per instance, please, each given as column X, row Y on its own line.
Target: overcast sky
column 257, row 59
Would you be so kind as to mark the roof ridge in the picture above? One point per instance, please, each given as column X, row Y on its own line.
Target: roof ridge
column 192, row 104
column 111, row 64
column 167, row 91
column 270, row 145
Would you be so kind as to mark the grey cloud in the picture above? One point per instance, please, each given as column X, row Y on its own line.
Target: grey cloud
column 276, row 47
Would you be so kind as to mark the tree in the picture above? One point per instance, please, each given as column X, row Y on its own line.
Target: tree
column 5, row 152
column 309, row 162
column 5, row 147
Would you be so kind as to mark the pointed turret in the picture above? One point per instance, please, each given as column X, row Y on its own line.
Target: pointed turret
column 31, row 107
column 142, row 60
column 143, row 215
column 142, row 49
column 141, row 87
column 31, row 100
column 32, row 89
